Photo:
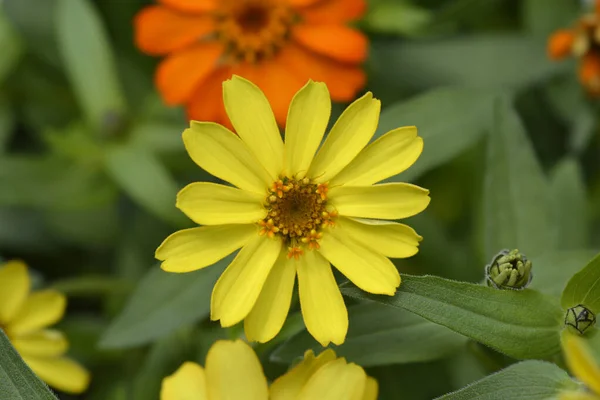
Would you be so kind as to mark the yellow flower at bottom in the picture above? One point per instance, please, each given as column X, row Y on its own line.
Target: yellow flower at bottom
column 295, row 211
column 582, row 364
column 233, row 371
column 25, row 316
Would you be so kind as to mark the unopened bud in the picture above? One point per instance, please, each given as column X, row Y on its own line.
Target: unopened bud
column 509, row 270
column 580, row 319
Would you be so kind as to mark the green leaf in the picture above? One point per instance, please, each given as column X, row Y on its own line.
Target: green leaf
column 516, row 192
column 17, row 381
column 11, row 45
column 89, row 63
column 542, row 20
column 158, row 137
column 142, row 176
column 391, row 336
column 584, row 288
column 397, row 17
column 50, row 183
column 527, row 380
column 494, row 61
column 7, row 122
column 571, row 216
column 552, row 270
column 162, row 303
column 450, row 133
column 522, row 324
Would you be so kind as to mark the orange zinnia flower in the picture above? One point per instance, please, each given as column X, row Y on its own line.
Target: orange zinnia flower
column 278, row 44
column 582, row 41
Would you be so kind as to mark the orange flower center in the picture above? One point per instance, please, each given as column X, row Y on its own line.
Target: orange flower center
column 253, row 29
column 297, row 211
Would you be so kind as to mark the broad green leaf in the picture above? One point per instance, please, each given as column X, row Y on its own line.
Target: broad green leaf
column 584, row 288
column 142, row 176
column 391, row 336
column 517, row 209
column 17, row 381
column 89, row 63
column 552, row 270
column 10, row 43
column 503, row 61
column 527, row 380
column 571, row 216
column 91, row 285
column 50, row 183
column 522, row 324
column 162, row 303
column 450, row 132
column 542, row 19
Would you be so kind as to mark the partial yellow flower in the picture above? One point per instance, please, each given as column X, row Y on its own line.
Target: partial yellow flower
column 293, row 212
column 233, row 371
column 581, row 363
column 25, row 317
column 324, row 377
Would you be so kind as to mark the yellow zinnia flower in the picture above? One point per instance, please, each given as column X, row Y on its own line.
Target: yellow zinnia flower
column 294, row 212
column 233, row 371
column 25, row 316
column 582, row 364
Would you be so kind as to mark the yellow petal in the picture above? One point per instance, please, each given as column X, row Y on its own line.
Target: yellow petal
column 272, row 306
column 187, row 383
column 60, row 373
column 323, row 307
column 581, row 362
column 14, row 287
column 191, row 249
column 336, row 380
column 222, row 153
column 367, row 269
column 388, row 238
column 385, row 201
column 234, row 372
column 350, row 134
column 288, row 386
column 389, row 155
column 306, row 123
column 252, row 117
column 213, row 204
column 44, row 343
column 237, row 289
column 371, row 389
column 41, row 309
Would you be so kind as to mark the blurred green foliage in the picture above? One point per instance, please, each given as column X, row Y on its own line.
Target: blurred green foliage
column 91, row 161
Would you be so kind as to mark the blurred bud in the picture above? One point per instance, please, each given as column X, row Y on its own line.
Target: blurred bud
column 580, row 319
column 509, row 270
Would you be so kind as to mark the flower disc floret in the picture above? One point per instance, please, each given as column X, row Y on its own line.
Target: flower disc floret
column 296, row 211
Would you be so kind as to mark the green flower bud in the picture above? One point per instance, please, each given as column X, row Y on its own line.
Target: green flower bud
column 509, row 270
column 579, row 318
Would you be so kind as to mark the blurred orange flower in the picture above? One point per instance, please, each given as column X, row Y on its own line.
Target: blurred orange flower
column 581, row 41
column 278, row 44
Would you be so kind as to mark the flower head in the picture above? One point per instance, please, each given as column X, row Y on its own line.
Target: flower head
column 582, row 364
column 581, row 41
column 293, row 213
column 25, row 317
column 278, row 44
column 233, row 371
